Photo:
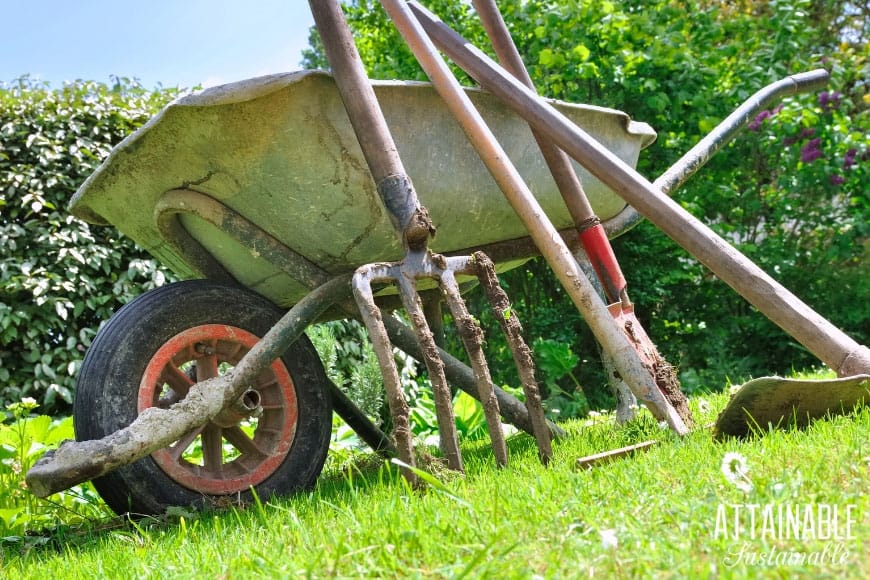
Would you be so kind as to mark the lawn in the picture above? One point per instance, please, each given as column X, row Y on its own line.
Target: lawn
column 668, row 512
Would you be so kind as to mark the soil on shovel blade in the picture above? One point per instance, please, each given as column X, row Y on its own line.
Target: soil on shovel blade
column 663, row 372
column 669, row 384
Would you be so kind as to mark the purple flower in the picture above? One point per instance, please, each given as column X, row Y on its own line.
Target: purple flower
column 755, row 124
column 849, row 158
column 807, row 132
column 837, row 179
column 812, row 150
column 829, row 101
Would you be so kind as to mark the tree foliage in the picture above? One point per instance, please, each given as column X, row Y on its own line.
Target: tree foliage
column 59, row 277
column 790, row 192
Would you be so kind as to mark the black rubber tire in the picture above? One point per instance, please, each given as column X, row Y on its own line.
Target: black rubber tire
column 108, row 388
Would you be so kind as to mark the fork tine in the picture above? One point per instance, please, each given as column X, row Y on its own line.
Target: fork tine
column 472, row 338
column 510, row 324
column 443, row 398
column 373, row 320
column 404, row 276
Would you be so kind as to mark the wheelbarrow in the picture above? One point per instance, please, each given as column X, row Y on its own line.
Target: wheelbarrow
column 288, row 191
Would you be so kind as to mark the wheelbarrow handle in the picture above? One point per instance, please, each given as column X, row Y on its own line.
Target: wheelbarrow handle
column 697, row 156
column 810, row 81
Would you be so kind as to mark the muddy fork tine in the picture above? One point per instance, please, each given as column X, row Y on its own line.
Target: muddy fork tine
column 434, row 365
column 373, row 320
column 522, row 355
column 472, row 339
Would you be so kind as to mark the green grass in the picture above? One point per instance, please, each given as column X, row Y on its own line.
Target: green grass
column 518, row 522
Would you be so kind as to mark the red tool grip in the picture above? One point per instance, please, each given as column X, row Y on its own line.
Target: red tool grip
column 597, row 246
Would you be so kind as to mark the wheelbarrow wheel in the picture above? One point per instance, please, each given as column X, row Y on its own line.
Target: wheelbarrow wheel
column 153, row 350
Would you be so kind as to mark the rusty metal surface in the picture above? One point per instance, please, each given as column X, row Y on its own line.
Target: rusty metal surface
column 591, row 461
column 280, row 152
column 459, row 374
column 592, row 233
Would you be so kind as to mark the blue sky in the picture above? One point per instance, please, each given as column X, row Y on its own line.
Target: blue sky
column 167, row 42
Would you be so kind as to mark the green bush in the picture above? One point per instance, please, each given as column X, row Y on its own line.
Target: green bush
column 59, row 277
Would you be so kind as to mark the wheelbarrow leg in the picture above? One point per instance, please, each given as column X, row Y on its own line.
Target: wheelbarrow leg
column 362, row 425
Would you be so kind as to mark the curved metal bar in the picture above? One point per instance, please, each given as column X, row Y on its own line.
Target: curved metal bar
column 697, row 156
column 249, row 235
column 622, row 222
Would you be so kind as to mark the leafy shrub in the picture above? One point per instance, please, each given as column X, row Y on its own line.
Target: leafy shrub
column 59, row 277
column 24, row 438
column 350, row 363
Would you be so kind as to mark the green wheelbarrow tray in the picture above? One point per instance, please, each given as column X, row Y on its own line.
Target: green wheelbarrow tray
column 277, row 155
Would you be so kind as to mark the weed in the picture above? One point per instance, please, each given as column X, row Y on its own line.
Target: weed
column 23, row 440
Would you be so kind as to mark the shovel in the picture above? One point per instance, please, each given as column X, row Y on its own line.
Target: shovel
column 782, row 403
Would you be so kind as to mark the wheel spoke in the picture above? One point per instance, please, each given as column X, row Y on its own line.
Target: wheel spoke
column 206, row 367
column 241, row 441
column 233, row 353
column 212, row 449
column 182, row 444
column 177, row 380
column 266, row 382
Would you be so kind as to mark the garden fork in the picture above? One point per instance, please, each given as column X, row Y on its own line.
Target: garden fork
column 412, row 223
